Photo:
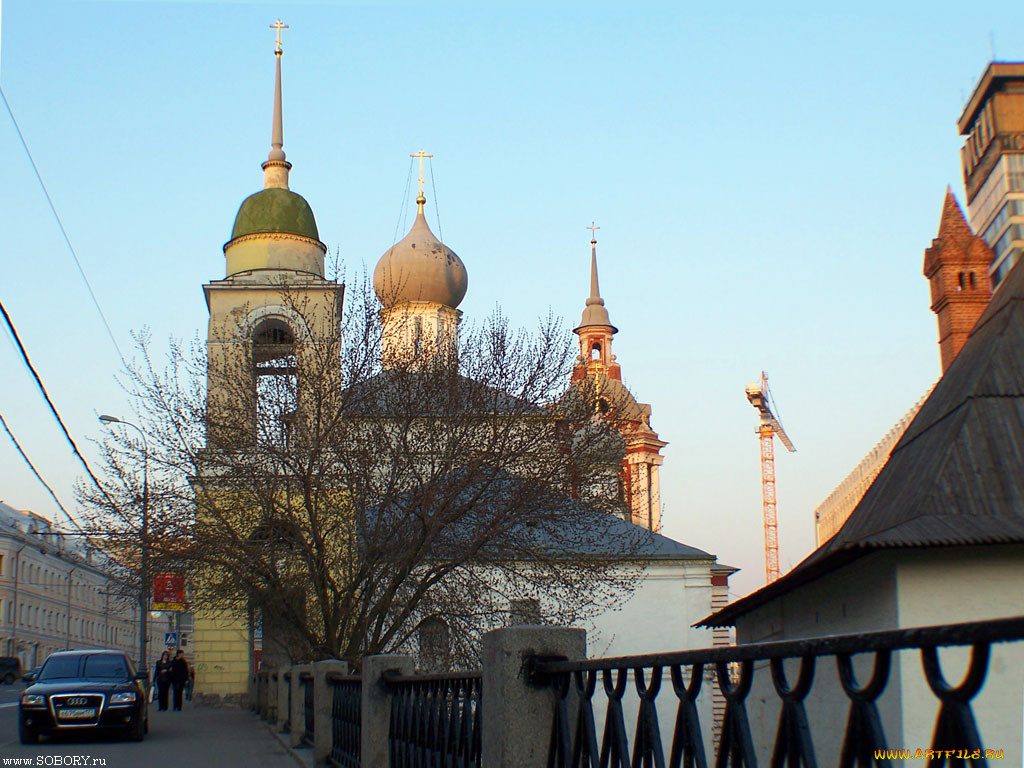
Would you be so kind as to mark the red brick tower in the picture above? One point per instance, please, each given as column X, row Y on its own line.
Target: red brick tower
column 641, row 488
column 956, row 264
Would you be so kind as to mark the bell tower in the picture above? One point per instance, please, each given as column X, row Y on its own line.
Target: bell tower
column 641, row 489
column 273, row 303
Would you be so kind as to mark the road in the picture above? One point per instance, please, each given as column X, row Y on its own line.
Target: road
column 200, row 737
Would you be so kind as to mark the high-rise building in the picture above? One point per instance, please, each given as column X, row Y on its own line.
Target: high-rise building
column 993, row 163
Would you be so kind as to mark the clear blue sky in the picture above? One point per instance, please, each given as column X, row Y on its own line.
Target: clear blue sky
column 765, row 178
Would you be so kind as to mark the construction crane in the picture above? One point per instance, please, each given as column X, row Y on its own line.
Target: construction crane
column 760, row 397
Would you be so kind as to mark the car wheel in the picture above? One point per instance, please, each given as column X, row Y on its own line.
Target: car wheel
column 137, row 732
column 27, row 735
column 146, row 728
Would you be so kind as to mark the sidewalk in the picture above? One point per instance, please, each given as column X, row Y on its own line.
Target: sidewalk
column 199, row 737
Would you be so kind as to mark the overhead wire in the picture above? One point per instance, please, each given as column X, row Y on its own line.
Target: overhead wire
column 35, row 472
column 437, row 209
column 60, row 224
column 46, row 396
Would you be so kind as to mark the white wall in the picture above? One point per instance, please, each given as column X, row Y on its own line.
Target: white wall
column 899, row 589
column 953, row 585
column 658, row 617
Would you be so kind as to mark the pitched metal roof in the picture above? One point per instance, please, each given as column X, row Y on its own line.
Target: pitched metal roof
column 956, row 477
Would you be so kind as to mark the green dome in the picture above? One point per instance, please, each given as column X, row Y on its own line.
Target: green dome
column 275, row 210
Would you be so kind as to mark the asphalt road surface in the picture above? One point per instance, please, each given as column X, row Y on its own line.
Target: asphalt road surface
column 200, row 737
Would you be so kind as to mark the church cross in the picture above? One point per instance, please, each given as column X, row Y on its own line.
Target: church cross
column 420, row 200
column 593, row 232
column 278, row 25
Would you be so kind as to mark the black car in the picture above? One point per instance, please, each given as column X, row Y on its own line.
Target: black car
column 10, row 668
column 79, row 690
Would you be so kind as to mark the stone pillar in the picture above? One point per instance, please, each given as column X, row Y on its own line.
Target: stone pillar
column 282, row 697
column 376, row 706
column 323, row 706
column 516, row 722
column 270, row 710
column 298, row 713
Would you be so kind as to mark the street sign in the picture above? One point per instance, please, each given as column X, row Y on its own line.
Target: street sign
column 171, row 639
column 168, row 592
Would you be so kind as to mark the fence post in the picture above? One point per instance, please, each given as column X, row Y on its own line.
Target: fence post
column 376, row 706
column 270, row 715
column 516, row 718
column 323, row 709
column 298, row 710
column 282, row 697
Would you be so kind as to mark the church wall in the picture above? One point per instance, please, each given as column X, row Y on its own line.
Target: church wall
column 670, row 597
column 957, row 584
column 221, row 654
column 859, row 597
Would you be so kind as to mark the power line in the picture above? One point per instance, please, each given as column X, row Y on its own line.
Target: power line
column 35, row 471
column 49, row 402
column 60, row 224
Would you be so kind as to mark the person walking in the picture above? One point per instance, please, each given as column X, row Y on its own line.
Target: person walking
column 179, row 676
column 162, row 678
column 191, row 683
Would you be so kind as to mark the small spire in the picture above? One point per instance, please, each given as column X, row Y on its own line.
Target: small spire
column 276, row 167
column 953, row 225
column 595, row 291
column 594, row 313
column 420, row 199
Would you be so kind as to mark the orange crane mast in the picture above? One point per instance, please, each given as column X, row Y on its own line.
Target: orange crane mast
column 760, row 397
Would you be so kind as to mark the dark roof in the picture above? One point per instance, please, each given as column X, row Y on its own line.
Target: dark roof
column 551, row 522
column 956, row 477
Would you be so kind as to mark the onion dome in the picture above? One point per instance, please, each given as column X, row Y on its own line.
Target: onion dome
column 419, row 267
column 275, row 209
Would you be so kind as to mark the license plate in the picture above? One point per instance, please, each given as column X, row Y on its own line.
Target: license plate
column 76, row 714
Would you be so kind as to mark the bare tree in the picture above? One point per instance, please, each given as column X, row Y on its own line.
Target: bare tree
column 356, row 505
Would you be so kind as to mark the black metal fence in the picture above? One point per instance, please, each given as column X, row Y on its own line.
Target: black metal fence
column 287, row 677
column 574, row 734
column 309, row 721
column 346, row 720
column 435, row 720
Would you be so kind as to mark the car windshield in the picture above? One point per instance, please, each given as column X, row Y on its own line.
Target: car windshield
column 106, row 666
column 94, row 666
column 60, row 668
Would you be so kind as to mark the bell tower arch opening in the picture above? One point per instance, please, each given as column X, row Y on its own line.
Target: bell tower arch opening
column 275, row 378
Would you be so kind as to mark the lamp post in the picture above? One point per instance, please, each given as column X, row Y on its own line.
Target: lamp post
column 144, row 539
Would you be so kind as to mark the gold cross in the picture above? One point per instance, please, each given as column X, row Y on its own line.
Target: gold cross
column 421, row 199
column 593, row 232
column 278, row 25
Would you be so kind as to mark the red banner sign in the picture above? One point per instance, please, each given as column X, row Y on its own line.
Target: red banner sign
column 168, row 592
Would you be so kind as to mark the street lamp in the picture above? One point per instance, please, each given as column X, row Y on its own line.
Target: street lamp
column 144, row 559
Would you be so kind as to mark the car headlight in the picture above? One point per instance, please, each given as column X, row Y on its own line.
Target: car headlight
column 32, row 700
column 123, row 698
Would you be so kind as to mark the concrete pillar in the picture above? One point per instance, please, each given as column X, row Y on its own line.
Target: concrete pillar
column 376, row 706
column 282, row 697
column 323, row 704
column 270, row 707
column 516, row 718
column 298, row 713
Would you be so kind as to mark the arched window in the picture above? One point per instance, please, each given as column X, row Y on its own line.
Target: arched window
column 595, row 351
column 960, row 281
column 274, row 368
column 970, row 279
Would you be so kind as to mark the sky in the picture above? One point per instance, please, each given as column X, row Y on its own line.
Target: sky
column 765, row 177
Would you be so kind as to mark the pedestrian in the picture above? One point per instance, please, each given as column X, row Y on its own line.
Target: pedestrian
column 191, row 682
column 179, row 676
column 162, row 677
